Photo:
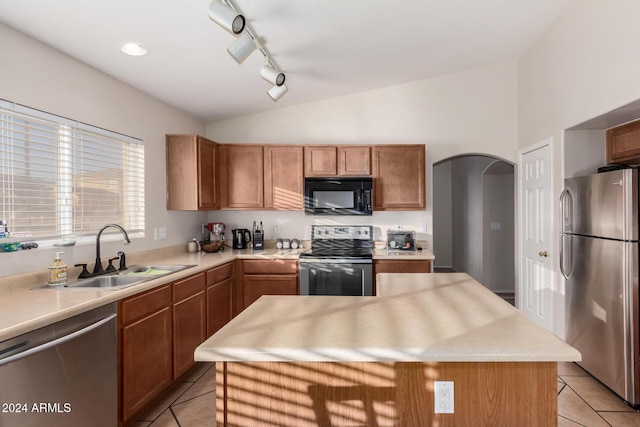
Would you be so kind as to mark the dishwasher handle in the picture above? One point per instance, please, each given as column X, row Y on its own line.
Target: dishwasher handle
column 55, row 342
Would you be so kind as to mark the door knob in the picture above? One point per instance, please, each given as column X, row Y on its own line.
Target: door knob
column 543, row 254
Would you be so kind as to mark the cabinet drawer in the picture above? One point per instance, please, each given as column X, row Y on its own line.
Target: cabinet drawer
column 402, row 266
column 218, row 274
column 187, row 287
column 275, row 266
column 141, row 305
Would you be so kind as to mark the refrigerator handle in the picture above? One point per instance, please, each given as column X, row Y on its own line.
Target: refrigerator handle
column 566, row 211
column 565, row 202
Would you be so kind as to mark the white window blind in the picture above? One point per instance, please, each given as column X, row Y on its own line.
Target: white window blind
column 60, row 178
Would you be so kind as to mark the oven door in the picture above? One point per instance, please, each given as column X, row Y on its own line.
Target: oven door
column 351, row 277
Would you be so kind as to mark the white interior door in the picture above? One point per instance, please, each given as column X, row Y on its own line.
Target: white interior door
column 535, row 287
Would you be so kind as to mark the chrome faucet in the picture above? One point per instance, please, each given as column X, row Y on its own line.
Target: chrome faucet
column 97, row 269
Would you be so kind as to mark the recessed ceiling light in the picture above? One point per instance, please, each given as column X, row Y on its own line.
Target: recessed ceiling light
column 134, row 49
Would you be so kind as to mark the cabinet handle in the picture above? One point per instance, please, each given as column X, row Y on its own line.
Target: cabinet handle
column 543, row 254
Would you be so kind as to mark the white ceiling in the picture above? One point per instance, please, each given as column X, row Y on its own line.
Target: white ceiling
column 327, row 48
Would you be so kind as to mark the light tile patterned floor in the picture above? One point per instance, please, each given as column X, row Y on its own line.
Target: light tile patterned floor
column 582, row 401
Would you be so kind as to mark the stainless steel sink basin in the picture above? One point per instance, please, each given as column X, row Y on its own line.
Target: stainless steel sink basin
column 153, row 270
column 110, row 282
column 132, row 276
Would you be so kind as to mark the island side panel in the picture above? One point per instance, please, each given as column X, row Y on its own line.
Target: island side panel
column 384, row 394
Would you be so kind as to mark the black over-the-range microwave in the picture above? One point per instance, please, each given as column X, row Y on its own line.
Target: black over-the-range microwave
column 338, row 195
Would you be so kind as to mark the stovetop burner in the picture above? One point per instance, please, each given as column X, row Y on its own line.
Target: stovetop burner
column 344, row 242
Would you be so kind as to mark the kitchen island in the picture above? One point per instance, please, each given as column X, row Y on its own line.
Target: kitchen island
column 344, row 361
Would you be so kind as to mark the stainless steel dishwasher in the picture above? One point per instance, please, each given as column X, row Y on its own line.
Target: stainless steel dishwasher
column 64, row 374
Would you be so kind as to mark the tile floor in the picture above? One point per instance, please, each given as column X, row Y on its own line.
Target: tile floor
column 582, row 401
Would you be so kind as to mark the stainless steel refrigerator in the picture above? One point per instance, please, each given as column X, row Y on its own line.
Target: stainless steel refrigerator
column 599, row 259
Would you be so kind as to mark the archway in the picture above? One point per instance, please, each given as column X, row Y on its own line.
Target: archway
column 473, row 217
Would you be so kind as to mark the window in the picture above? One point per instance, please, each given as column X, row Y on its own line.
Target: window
column 63, row 178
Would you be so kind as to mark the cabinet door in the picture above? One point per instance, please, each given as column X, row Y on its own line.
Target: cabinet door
column 399, row 177
column 146, row 360
column 218, row 306
column 244, row 176
column 189, row 331
column 256, row 285
column 623, row 143
column 354, row 161
column 320, row 161
column 283, row 179
column 207, row 190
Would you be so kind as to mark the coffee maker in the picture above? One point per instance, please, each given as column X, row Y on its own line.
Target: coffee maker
column 241, row 238
column 216, row 231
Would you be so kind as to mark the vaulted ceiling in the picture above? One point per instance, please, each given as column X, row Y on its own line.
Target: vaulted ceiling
column 327, row 48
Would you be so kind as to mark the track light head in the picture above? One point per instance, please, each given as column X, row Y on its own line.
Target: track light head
column 276, row 92
column 272, row 75
column 242, row 47
column 226, row 17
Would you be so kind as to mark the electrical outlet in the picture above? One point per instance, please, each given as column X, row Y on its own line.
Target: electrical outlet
column 276, row 229
column 443, row 395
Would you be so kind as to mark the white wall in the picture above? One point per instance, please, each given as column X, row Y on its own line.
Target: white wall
column 471, row 111
column 443, row 215
column 466, row 187
column 586, row 65
column 38, row 76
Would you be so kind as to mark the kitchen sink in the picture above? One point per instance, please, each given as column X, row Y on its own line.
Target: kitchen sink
column 153, row 270
column 132, row 276
column 110, row 282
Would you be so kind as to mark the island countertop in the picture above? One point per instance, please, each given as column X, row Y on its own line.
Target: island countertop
column 445, row 317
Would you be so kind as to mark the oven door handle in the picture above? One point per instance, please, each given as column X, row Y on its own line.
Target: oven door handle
column 335, row 261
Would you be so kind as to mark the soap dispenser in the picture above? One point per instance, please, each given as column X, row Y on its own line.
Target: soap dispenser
column 57, row 271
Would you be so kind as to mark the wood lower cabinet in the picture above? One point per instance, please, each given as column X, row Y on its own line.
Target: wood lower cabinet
column 265, row 277
column 398, row 177
column 283, row 177
column 145, row 350
column 400, row 266
column 242, row 179
column 623, row 143
column 189, row 321
column 219, row 288
column 192, row 168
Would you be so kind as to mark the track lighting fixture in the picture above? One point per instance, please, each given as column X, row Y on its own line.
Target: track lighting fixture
column 226, row 17
column 272, row 75
column 242, row 47
column 277, row 91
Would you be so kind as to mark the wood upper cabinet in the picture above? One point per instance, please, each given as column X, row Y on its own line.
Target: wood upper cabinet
column 192, row 168
column 354, row 160
column 623, row 143
column 189, row 321
column 283, row 177
column 344, row 160
column 320, row 161
column 398, row 177
column 243, row 176
column 145, row 348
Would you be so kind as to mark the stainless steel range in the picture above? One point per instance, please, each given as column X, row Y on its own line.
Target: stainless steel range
column 340, row 261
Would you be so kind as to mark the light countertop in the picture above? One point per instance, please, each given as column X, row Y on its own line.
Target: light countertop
column 27, row 303
column 416, row 317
